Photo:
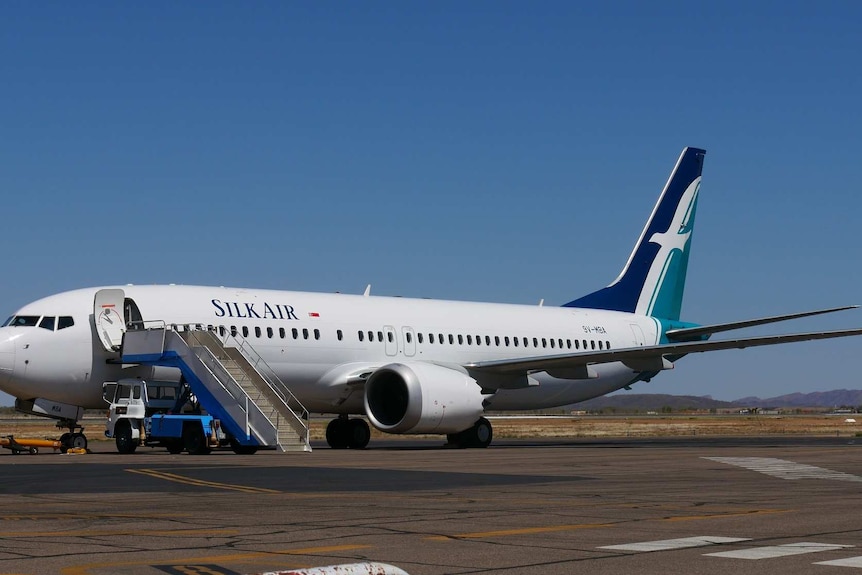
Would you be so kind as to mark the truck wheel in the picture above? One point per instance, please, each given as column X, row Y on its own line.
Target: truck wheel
column 194, row 440
column 175, row 446
column 123, row 436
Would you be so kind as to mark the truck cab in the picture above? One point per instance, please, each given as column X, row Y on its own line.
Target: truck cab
column 150, row 413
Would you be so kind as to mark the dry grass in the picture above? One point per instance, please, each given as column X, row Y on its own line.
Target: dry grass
column 557, row 427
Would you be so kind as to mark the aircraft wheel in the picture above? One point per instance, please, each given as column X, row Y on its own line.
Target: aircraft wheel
column 337, row 433
column 195, row 441
column 79, row 441
column 34, row 451
column 123, row 437
column 65, row 442
column 358, row 434
column 480, row 435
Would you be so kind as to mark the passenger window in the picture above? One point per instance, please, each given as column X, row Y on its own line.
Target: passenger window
column 361, row 335
column 506, row 339
column 440, row 338
column 576, row 345
column 269, row 332
column 245, row 331
column 607, row 345
column 478, row 340
column 451, row 339
column 553, row 345
column 339, row 334
column 535, row 342
column 371, row 336
column 469, row 340
column 600, row 344
column 487, row 340
column 233, row 331
column 592, row 344
column 47, row 323
column 430, row 338
column 515, row 341
column 408, row 337
column 256, row 332
column 419, row 336
column 569, row 344
column 65, row 321
column 544, row 342
column 304, row 333
column 390, row 337
column 380, row 336
column 460, row 339
column 497, row 340
column 282, row 333
column 295, row 333
column 316, row 334
column 222, row 331
column 585, row 345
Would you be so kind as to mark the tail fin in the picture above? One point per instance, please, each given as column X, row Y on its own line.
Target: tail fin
column 653, row 279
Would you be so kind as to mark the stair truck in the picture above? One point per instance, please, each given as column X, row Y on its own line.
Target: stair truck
column 161, row 413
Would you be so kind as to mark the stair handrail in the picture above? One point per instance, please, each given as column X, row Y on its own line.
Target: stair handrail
column 265, row 371
column 267, row 374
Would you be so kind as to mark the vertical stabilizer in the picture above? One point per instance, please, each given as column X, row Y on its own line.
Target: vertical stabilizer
column 653, row 279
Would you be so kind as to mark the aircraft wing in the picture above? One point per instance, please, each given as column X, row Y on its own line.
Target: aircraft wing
column 643, row 358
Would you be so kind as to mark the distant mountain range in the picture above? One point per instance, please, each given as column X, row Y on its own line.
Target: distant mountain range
column 655, row 402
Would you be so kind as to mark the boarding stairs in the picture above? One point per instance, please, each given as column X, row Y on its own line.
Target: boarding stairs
column 230, row 380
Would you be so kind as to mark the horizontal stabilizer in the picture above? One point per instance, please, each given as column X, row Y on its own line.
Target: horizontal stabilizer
column 633, row 354
column 695, row 333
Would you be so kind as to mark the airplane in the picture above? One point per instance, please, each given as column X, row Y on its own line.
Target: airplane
column 410, row 366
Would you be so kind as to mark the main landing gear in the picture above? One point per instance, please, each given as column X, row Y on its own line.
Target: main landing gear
column 74, row 438
column 343, row 433
column 480, row 435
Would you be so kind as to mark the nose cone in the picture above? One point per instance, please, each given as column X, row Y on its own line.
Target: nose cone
column 7, row 356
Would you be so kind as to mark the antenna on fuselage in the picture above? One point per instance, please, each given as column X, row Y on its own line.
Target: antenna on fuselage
column 367, row 290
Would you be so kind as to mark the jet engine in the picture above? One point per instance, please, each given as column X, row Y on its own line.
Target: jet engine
column 421, row 398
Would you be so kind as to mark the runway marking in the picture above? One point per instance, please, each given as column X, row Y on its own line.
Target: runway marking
column 849, row 562
column 200, row 482
column 722, row 515
column 784, row 469
column 668, row 544
column 523, row 531
column 108, row 532
column 774, row 551
column 234, row 558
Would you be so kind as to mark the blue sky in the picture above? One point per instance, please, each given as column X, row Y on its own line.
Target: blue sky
column 502, row 151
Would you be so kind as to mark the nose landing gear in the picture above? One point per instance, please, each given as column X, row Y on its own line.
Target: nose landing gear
column 74, row 438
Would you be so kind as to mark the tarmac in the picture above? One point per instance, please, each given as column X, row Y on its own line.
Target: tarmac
column 646, row 506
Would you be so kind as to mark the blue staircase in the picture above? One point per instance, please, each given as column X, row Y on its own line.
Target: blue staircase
column 230, row 381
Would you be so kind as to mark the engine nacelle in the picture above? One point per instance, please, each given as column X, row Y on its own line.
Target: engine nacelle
column 421, row 398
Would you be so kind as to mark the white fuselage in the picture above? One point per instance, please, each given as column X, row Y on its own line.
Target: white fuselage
column 312, row 341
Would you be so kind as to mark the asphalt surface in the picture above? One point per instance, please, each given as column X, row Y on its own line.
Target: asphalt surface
column 741, row 505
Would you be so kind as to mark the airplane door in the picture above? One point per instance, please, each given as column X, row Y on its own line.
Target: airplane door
column 108, row 317
column 638, row 333
column 391, row 338
column 409, row 341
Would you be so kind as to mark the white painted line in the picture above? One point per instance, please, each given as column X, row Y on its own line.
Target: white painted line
column 777, row 551
column 849, row 562
column 668, row 544
column 784, row 469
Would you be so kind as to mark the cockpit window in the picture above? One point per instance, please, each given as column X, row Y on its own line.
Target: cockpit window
column 65, row 321
column 47, row 322
column 7, row 322
column 24, row 321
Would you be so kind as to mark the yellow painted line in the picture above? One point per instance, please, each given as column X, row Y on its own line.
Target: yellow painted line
column 200, row 482
column 723, row 515
column 234, row 558
column 106, row 532
column 524, row 531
